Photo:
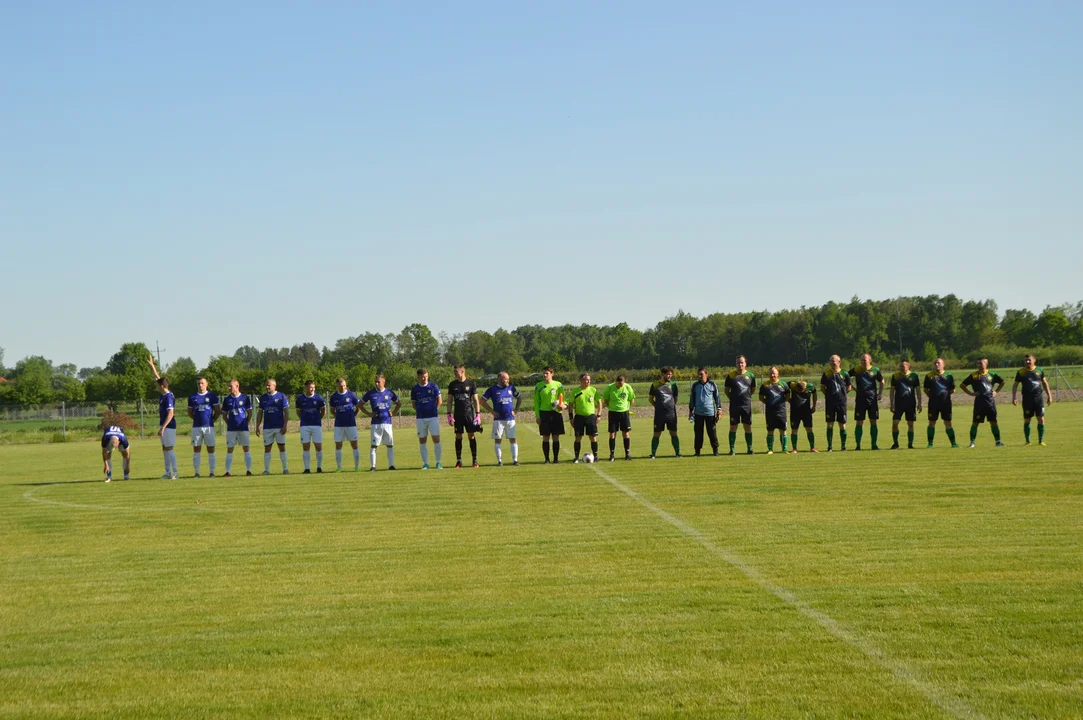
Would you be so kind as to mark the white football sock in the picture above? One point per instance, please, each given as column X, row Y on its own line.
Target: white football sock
column 515, row 452
column 499, row 452
column 196, row 458
column 211, row 460
column 229, row 463
column 425, row 454
column 282, row 457
column 356, row 458
column 319, row 458
column 372, row 457
column 390, row 456
column 306, row 458
column 338, row 458
column 438, row 448
column 248, row 462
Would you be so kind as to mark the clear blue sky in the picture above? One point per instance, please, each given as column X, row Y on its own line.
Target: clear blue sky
column 212, row 175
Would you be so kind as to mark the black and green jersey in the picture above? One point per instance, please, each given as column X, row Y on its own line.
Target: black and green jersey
column 739, row 387
column 904, row 387
column 867, row 383
column 982, row 386
column 1031, row 380
column 774, row 396
column 665, row 399
column 800, row 400
column 835, row 386
column 939, row 388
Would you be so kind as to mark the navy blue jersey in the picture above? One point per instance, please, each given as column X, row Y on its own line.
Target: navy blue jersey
column 345, row 405
column 502, row 401
column 202, row 406
column 309, row 408
column 238, row 410
column 114, row 432
column 274, row 407
column 380, row 402
column 166, row 403
column 427, row 397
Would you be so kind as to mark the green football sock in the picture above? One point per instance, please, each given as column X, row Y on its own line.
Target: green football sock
column 1041, row 432
column 748, row 440
column 770, row 442
column 676, row 443
column 830, row 437
column 857, row 436
column 793, row 440
column 951, row 434
column 910, row 438
column 996, row 433
column 654, row 446
column 930, row 433
column 1026, row 431
column 811, row 440
column 874, row 432
column 842, row 438
column 973, row 433
column 782, row 437
column 894, row 437
column 733, row 440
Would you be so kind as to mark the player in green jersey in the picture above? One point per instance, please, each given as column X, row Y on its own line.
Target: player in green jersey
column 1034, row 383
column 939, row 387
column 584, row 413
column 618, row 398
column 774, row 396
column 663, row 396
column 868, row 389
column 802, row 406
column 740, row 382
column 983, row 386
column 548, row 411
column 905, row 402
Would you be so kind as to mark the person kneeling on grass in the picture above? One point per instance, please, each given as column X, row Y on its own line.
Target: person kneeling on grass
column 113, row 439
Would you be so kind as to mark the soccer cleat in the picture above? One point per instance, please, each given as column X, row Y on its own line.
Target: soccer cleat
column 306, row 471
column 715, row 453
column 750, row 452
column 895, row 446
column 196, row 475
column 212, row 475
column 174, row 476
column 812, row 450
column 1026, row 444
column 575, row 462
column 319, row 469
column 458, row 464
column 167, row 476
column 227, row 475
column 266, row 472
column 372, row 469
column 556, row 461
column 475, row 465
column 500, row 463
column 678, row 455
column 843, row 449
column 108, row 478
column 955, row 445
column 695, row 454
column 1000, row 444
column 770, row 452
column 441, row 467
column 909, row 447
column 391, row 467
column 651, row 457
column 286, row 472
column 1042, row 444
column 515, row 463
column 126, row 477
column 611, row 458
column 972, row 445
column 248, row 473
column 732, row 452
column 425, row 466
column 546, row 461
column 929, row 446
column 627, row 456
column 793, row 452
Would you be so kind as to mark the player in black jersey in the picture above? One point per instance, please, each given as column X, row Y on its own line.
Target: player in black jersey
column 1034, row 383
column 869, row 387
column 464, row 414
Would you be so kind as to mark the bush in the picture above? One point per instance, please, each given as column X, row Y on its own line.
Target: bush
column 59, row 438
column 121, row 420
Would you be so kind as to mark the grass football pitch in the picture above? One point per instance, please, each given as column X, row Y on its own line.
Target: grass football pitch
column 925, row 583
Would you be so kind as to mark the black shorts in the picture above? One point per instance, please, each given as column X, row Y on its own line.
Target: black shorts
column 939, row 412
column 740, row 415
column 464, row 425
column 864, row 408
column 776, row 421
column 910, row 411
column 983, row 412
column 1033, row 409
column 585, row 425
column 836, row 413
column 552, row 423
column 801, row 417
column 620, row 422
column 665, row 423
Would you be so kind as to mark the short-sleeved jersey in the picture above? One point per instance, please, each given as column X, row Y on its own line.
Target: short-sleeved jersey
column 545, row 394
column 904, row 388
column 345, row 405
column 461, row 394
column 835, row 386
column 774, row 396
column 867, row 383
column 740, row 386
column 1031, row 381
column 939, row 387
column 619, row 399
column 114, row 431
column 309, row 408
column 665, row 399
column 585, row 400
column 202, row 406
column 166, row 403
column 800, row 400
column 380, row 401
column 237, row 410
column 426, row 399
column 274, row 407
column 502, row 401
column 982, row 386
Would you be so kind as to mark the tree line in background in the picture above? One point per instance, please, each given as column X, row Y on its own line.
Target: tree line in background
column 920, row 328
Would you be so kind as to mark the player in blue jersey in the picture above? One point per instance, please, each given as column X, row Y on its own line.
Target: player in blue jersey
column 345, row 405
column 384, row 405
column 167, row 423
column 203, row 408
column 427, row 399
column 114, row 439
column 311, row 410
column 502, row 401
column 237, row 409
column 272, row 409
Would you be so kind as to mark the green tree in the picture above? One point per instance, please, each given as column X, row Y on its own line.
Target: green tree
column 182, row 377
column 68, row 389
column 416, row 346
column 33, row 381
column 929, row 352
column 134, row 377
column 220, row 370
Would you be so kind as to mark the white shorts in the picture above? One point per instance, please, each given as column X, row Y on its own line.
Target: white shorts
column 169, row 437
column 428, row 426
column 503, row 428
column 237, row 437
column 272, row 436
column 382, row 434
column 203, row 436
column 343, row 434
column 311, row 433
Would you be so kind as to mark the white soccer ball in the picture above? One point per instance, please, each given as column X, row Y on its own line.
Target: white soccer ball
column 588, row 458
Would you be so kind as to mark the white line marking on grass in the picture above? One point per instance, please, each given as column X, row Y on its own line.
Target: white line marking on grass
column 30, row 495
column 945, row 701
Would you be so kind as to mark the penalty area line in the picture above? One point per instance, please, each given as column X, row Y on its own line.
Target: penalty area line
column 945, row 701
column 32, row 497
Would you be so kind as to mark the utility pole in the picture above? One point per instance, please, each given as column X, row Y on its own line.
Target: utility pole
column 158, row 352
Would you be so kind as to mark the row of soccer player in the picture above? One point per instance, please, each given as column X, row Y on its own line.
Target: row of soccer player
column 797, row 399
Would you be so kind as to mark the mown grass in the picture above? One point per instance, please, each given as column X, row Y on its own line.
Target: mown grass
column 953, row 581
